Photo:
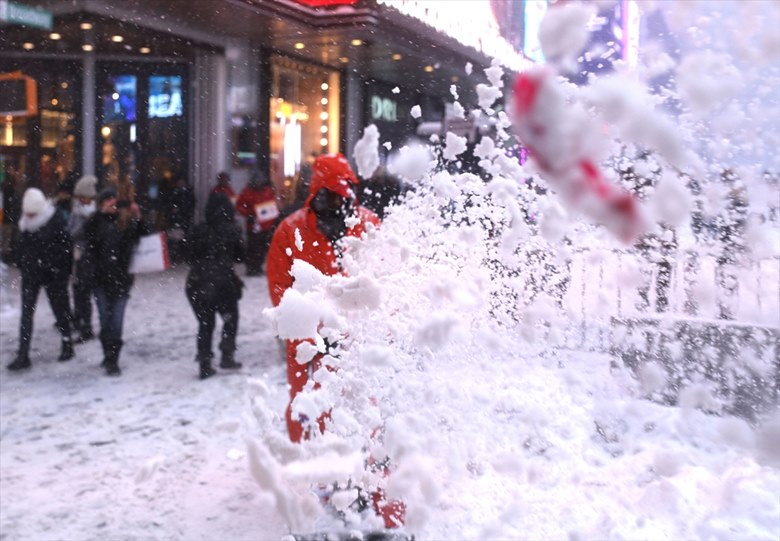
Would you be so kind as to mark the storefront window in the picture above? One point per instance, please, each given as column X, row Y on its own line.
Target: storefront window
column 304, row 123
column 143, row 133
column 118, row 130
column 42, row 150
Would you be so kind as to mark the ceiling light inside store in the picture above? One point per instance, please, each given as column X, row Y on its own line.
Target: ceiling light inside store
column 323, row 141
column 357, row 42
column 428, row 68
column 324, row 86
column 299, row 45
column 343, row 59
column 54, row 101
column 28, row 46
column 115, row 96
column 323, row 116
column 105, row 131
column 324, row 129
column 87, row 47
column 324, row 101
column 86, row 26
column 144, row 50
column 55, row 36
column 117, row 39
column 397, row 56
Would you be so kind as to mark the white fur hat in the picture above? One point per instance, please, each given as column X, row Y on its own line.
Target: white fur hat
column 34, row 201
column 85, row 187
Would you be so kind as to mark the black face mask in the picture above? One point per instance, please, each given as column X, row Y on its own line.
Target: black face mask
column 331, row 211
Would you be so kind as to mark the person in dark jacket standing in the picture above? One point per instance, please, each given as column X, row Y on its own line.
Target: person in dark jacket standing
column 44, row 253
column 84, row 273
column 212, row 284
column 111, row 236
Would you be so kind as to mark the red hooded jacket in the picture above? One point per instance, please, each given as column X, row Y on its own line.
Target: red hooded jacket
column 333, row 173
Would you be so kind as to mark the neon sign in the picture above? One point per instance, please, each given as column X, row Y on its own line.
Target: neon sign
column 384, row 109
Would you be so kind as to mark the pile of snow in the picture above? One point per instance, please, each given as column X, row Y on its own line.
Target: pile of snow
column 444, row 343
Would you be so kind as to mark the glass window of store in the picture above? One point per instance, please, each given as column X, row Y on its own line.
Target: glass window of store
column 142, row 133
column 43, row 150
column 305, row 113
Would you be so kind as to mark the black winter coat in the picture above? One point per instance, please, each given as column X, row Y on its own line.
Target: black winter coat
column 212, row 248
column 46, row 254
column 110, row 250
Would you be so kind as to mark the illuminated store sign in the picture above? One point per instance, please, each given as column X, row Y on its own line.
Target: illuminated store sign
column 384, row 109
column 470, row 22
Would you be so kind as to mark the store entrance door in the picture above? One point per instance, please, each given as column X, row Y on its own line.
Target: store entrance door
column 143, row 142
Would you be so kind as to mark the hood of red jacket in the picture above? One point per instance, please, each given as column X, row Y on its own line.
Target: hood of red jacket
column 332, row 172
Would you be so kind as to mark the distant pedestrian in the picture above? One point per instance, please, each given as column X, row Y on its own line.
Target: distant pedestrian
column 381, row 191
column 223, row 186
column 257, row 204
column 212, row 284
column 179, row 209
column 44, row 253
column 112, row 234
column 84, row 207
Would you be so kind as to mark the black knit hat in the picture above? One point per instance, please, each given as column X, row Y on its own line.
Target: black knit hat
column 105, row 194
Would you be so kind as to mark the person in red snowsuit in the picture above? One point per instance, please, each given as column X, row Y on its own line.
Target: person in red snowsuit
column 320, row 224
column 257, row 204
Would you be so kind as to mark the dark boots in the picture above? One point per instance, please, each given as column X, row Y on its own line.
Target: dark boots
column 111, row 349
column 66, row 353
column 85, row 335
column 228, row 361
column 204, row 363
column 22, row 362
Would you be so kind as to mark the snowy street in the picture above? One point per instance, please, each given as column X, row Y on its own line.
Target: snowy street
column 78, row 450
column 511, row 270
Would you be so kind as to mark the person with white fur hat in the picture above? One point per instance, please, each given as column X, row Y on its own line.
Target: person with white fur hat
column 44, row 255
column 84, row 206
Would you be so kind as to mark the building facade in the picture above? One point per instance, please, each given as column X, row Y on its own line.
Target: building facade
column 140, row 93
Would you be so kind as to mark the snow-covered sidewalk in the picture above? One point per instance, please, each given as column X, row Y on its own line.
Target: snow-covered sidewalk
column 154, row 454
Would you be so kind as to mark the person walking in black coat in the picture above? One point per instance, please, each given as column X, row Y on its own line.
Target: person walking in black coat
column 44, row 253
column 84, row 273
column 112, row 233
column 212, row 284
